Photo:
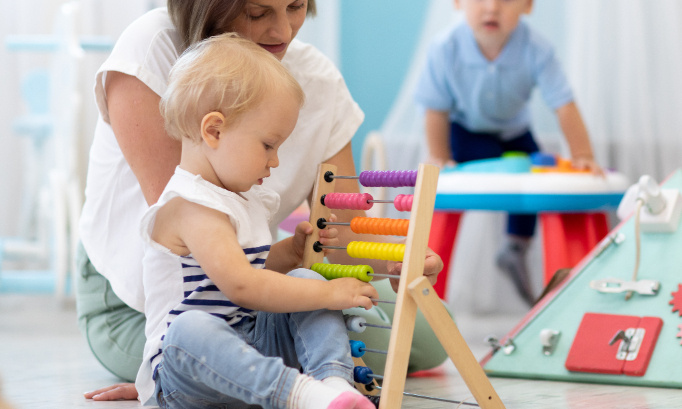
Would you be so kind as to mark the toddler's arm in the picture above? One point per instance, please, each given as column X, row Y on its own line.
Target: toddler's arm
column 574, row 129
column 437, row 128
column 207, row 234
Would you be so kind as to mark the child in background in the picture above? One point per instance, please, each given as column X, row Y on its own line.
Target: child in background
column 476, row 89
column 226, row 321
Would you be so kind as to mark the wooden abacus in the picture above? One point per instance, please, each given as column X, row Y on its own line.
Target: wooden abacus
column 414, row 290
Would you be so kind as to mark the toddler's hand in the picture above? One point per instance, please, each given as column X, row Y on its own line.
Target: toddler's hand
column 328, row 236
column 349, row 292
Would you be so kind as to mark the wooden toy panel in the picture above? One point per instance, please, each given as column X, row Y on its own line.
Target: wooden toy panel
column 563, row 309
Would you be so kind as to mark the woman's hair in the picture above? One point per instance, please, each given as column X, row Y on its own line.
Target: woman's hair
column 197, row 20
column 227, row 74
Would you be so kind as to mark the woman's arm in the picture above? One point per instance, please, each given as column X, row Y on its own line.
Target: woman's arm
column 343, row 160
column 139, row 129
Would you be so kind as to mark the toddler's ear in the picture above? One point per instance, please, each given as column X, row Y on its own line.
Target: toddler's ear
column 211, row 124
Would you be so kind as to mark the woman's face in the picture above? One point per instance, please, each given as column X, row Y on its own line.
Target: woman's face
column 272, row 24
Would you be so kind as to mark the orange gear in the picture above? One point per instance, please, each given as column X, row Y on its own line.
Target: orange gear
column 676, row 302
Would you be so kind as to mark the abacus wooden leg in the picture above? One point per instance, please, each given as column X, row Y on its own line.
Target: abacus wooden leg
column 449, row 336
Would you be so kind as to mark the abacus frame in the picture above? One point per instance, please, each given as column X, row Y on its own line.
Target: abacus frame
column 414, row 291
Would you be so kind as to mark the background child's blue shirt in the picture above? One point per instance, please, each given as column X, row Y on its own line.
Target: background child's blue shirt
column 491, row 96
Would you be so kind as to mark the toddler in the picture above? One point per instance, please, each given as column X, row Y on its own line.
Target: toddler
column 229, row 317
column 476, row 87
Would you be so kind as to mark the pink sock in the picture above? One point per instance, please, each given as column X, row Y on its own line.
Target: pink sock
column 351, row 400
column 309, row 393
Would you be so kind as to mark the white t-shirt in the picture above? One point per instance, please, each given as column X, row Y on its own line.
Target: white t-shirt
column 114, row 203
column 174, row 284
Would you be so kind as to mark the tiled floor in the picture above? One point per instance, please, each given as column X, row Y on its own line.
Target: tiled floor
column 45, row 363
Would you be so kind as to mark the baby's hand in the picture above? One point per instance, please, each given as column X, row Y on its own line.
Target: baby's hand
column 349, row 292
column 328, row 236
column 587, row 163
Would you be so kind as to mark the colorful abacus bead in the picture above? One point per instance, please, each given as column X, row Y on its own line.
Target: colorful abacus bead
column 378, row 251
column 403, row 203
column 355, row 323
column 392, row 178
column 357, row 348
column 332, row 271
column 381, row 226
column 354, row 201
column 361, row 374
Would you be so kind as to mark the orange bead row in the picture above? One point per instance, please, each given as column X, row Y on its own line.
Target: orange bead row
column 381, row 226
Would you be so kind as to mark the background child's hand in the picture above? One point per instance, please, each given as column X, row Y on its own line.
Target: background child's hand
column 587, row 163
column 349, row 292
column 441, row 162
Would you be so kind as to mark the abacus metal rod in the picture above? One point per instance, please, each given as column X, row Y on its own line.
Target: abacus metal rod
column 365, row 324
column 335, row 223
column 333, row 247
column 383, row 275
column 377, row 351
column 383, row 301
column 416, row 395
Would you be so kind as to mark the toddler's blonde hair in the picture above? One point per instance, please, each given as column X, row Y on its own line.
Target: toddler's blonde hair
column 225, row 73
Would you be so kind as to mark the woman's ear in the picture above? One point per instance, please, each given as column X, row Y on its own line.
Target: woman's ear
column 211, row 124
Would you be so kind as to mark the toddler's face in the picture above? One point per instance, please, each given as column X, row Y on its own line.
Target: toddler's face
column 493, row 20
column 248, row 147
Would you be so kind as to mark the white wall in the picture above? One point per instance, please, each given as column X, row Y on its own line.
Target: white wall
column 37, row 17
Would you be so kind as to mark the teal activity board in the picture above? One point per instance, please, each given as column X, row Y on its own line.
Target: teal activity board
column 613, row 320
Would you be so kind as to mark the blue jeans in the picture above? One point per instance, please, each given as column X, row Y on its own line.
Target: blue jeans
column 467, row 145
column 209, row 364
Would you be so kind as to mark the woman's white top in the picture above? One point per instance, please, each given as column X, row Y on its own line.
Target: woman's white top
column 114, row 203
column 174, row 284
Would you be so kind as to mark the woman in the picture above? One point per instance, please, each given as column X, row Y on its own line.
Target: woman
column 132, row 158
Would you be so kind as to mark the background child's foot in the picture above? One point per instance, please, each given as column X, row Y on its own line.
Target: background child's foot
column 512, row 260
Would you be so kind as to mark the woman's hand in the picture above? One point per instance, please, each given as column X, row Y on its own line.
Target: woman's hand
column 119, row 391
column 432, row 267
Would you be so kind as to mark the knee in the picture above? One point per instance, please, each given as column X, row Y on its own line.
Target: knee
column 305, row 273
column 187, row 323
